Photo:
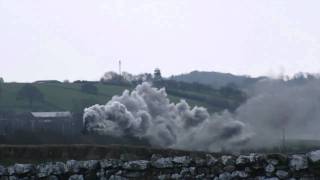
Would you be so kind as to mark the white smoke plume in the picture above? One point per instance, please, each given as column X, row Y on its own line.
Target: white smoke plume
column 274, row 108
column 147, row 113
column 277, row 107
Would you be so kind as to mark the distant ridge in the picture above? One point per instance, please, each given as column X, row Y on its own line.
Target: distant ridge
column 216, row 79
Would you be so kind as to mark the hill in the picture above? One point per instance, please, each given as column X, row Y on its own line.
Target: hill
column 68, row 96
column 216, row 79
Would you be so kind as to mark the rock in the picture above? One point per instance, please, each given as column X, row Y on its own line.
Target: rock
column 243, row 160
column 73, row 166
column 227, row 160
column 59, row 168
column 132, row 174
column 298, row 162
column 225, row 176
column 139, row 165
column 282, row 174
column 52, row 177
column 10, row 170
column 115, row 177
column 270, row 168
column 176, row 176
column 229, row 168
column 89, row 165
column 76, row 177
column 200, row 176
column 199, row 161
column 273, row 161
column 211, row 161
column 239, row 174
column 164, row 176
column 3, row 170
column 110, row 163
column 13, row 178
column 314, row 156
column 188, row 171
column 44, row 170
column 21, row 169
column 182, row 160
column 162, row 163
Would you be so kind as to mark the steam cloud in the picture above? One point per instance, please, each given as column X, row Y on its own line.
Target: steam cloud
column 273, row 107
column 147, row 113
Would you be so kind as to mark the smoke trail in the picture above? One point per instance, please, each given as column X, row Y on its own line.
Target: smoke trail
column 147, row 112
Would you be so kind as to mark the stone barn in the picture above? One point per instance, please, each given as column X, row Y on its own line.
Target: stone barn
column 61, row 122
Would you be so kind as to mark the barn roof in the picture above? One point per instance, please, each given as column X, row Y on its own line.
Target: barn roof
column 51, row 114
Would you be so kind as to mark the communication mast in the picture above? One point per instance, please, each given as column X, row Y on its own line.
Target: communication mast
column 120, row 67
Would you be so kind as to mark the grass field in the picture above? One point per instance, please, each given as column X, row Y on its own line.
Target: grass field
column 67, row 96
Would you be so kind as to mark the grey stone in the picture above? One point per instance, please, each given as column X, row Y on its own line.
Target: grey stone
column 73, row 166
column 164, row 176
column 132, row 174
column 21, row 169
column 13, row 178
column 162, row 163
column 199, row 161
column 110, row 163
column 298, row 162
column 282, row 174
column 239, row 174
column 115, row 177
column 182, row 160
column 44, row 170
column 200, row 176
column 59, row 168
column 225, row 176
column 10, row 170
column 211, row 161
column 187, row 171
column 227, row 160
column 3, row 170
column 273, row 161
column 176, row 176
column 270, row 168
column 76, row 177
column 314, row 156
column 229, row 168
column 243, row 160
column 52, row 177
column 89, row 165
column 138, row 165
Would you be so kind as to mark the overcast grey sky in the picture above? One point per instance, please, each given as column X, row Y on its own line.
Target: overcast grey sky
column 82, row 39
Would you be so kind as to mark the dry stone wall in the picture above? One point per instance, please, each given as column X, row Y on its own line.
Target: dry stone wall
column 225, row 167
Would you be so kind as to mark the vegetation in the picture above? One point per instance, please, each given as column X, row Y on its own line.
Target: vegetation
column 30, row 93
column 89, row 88
column 71, row 97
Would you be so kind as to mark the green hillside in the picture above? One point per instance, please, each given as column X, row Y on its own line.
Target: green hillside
column 68, row 96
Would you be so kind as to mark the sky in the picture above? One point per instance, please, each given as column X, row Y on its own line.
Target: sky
column 81, row 39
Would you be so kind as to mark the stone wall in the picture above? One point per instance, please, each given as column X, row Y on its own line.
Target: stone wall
column 253, row 166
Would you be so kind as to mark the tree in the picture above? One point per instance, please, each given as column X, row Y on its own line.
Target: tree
column 30, row 93
column 1, row 86
column 89, row 88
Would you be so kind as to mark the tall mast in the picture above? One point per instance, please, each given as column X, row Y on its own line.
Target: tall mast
column 120, row 67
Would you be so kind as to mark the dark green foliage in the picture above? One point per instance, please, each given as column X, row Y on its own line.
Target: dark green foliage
column 216, row 79
column 1, row 88
column 89, row 88
column 31, row 94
